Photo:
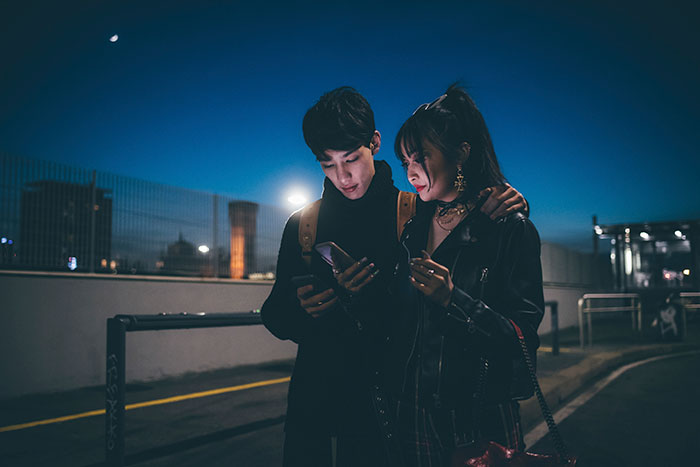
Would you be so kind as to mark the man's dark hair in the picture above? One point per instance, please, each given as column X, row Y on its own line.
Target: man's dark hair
column 341, row 120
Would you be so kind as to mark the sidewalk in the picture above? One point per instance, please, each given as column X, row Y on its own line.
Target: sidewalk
column 564, row 375
column 244, row 427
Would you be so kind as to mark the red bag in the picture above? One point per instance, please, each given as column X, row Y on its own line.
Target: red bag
column 492, row 454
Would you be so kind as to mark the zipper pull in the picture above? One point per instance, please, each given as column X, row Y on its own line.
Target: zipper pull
column 484, row 275
column 483, row 281
column 470, row 325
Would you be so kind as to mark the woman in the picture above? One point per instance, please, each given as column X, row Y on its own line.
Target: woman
column 470, row 280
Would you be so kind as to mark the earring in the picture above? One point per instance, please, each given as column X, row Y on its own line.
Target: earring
column 371, row 146
column 460, row 184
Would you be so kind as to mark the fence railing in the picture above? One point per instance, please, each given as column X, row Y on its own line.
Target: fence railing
column 607, row 303
column 115, row 382
column 690, row 301
column 54, row 217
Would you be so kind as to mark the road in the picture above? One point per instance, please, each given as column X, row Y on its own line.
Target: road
column 647, row 416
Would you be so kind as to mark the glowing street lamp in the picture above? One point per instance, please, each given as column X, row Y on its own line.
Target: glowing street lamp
column 203, row 249
column 297, row 199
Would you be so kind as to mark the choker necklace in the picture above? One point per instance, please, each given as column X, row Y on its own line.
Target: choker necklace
column 447, row 212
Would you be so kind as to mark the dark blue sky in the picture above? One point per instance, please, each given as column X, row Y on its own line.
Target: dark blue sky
column 593, row 109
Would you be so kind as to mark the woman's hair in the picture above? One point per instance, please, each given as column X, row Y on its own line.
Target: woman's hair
column 341, row 120
column 447, row 123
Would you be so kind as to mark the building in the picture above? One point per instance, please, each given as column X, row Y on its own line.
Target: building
column 658, row 255
column 64, row 226
column 183, row 258
column 243, row 220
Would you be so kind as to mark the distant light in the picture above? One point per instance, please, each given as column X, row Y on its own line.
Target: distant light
column 598, row 230
column 203, row 249
column 678, row 234
column 628, row 260
column 72, row 263
column 114, row 38
column 667, row 275
column 112, row 265
column 297, row 199
column 686, row 272
column 644, row 235
column 10, row 242
column 3, row 240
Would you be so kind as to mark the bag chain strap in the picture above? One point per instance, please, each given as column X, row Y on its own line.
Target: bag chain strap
column 558, row 442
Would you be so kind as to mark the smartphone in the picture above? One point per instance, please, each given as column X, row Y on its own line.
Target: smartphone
column 335, row 256
column 301, row 281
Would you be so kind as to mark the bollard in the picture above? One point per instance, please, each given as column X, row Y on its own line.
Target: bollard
column 554, row 308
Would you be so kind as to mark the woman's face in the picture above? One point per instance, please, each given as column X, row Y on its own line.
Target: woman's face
column 436, row 182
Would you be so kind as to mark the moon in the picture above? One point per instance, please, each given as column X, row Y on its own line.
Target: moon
column 114, row 38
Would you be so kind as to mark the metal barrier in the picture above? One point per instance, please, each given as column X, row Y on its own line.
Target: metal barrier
column 690, row 302
column 587, row 305
column 554, row 309
column 115, row 383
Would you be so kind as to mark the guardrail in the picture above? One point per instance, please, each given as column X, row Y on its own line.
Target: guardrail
column 690, row 302
column 115, row 383
column 554, row 314
column 587, row 306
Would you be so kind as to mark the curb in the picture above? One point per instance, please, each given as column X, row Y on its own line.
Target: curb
column 565, row 383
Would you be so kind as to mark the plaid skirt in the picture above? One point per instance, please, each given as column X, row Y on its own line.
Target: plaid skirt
column 428, row 436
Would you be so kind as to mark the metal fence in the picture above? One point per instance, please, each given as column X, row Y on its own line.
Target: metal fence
column 54, row 217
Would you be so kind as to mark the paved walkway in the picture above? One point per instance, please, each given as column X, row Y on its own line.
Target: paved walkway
column 244, row 427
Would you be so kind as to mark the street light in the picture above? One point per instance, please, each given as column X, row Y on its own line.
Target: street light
column 297, row 199
column 203, row 249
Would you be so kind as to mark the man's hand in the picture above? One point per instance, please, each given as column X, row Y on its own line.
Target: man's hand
column 503, row 200
column 357, row 276
column 318, row 304
column 431, row 279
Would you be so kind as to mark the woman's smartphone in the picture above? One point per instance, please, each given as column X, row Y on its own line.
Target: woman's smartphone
column 335, row 256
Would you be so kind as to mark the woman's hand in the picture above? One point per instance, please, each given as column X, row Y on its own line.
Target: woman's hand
column 318, row 304
column 503, row 200
column 431, row 279
column 357, row 276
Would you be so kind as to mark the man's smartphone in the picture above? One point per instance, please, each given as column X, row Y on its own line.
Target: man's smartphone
column 332, row 254
column 309, row 279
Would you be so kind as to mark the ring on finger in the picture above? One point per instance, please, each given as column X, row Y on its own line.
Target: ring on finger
column 431, row 271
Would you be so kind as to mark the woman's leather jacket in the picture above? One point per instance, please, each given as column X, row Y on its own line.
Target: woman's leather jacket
column 435, row 353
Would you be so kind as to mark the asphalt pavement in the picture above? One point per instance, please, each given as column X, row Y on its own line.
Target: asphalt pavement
column 648, row 410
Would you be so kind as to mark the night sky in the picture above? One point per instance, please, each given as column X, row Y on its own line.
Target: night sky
column 593, row 108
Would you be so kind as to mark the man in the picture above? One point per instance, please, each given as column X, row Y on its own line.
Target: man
column 341, row 324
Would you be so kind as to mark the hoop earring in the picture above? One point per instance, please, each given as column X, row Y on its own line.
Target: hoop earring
column 460, row 183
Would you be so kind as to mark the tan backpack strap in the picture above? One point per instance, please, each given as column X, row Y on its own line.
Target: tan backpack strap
column 307, row 229
column 405, row 210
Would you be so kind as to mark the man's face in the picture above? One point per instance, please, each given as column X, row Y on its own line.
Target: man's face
column 351, row 171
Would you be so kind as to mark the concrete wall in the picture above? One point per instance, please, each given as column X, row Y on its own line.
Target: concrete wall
column 53, row 329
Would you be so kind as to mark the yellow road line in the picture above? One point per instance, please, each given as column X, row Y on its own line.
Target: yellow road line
column 561, row 350
column 167, row 400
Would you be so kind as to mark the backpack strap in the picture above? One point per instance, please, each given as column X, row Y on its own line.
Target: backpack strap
column 307, row 229
column 405, row 210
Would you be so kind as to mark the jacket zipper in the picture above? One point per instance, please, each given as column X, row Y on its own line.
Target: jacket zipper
column 436, row 396
column 483, row 280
